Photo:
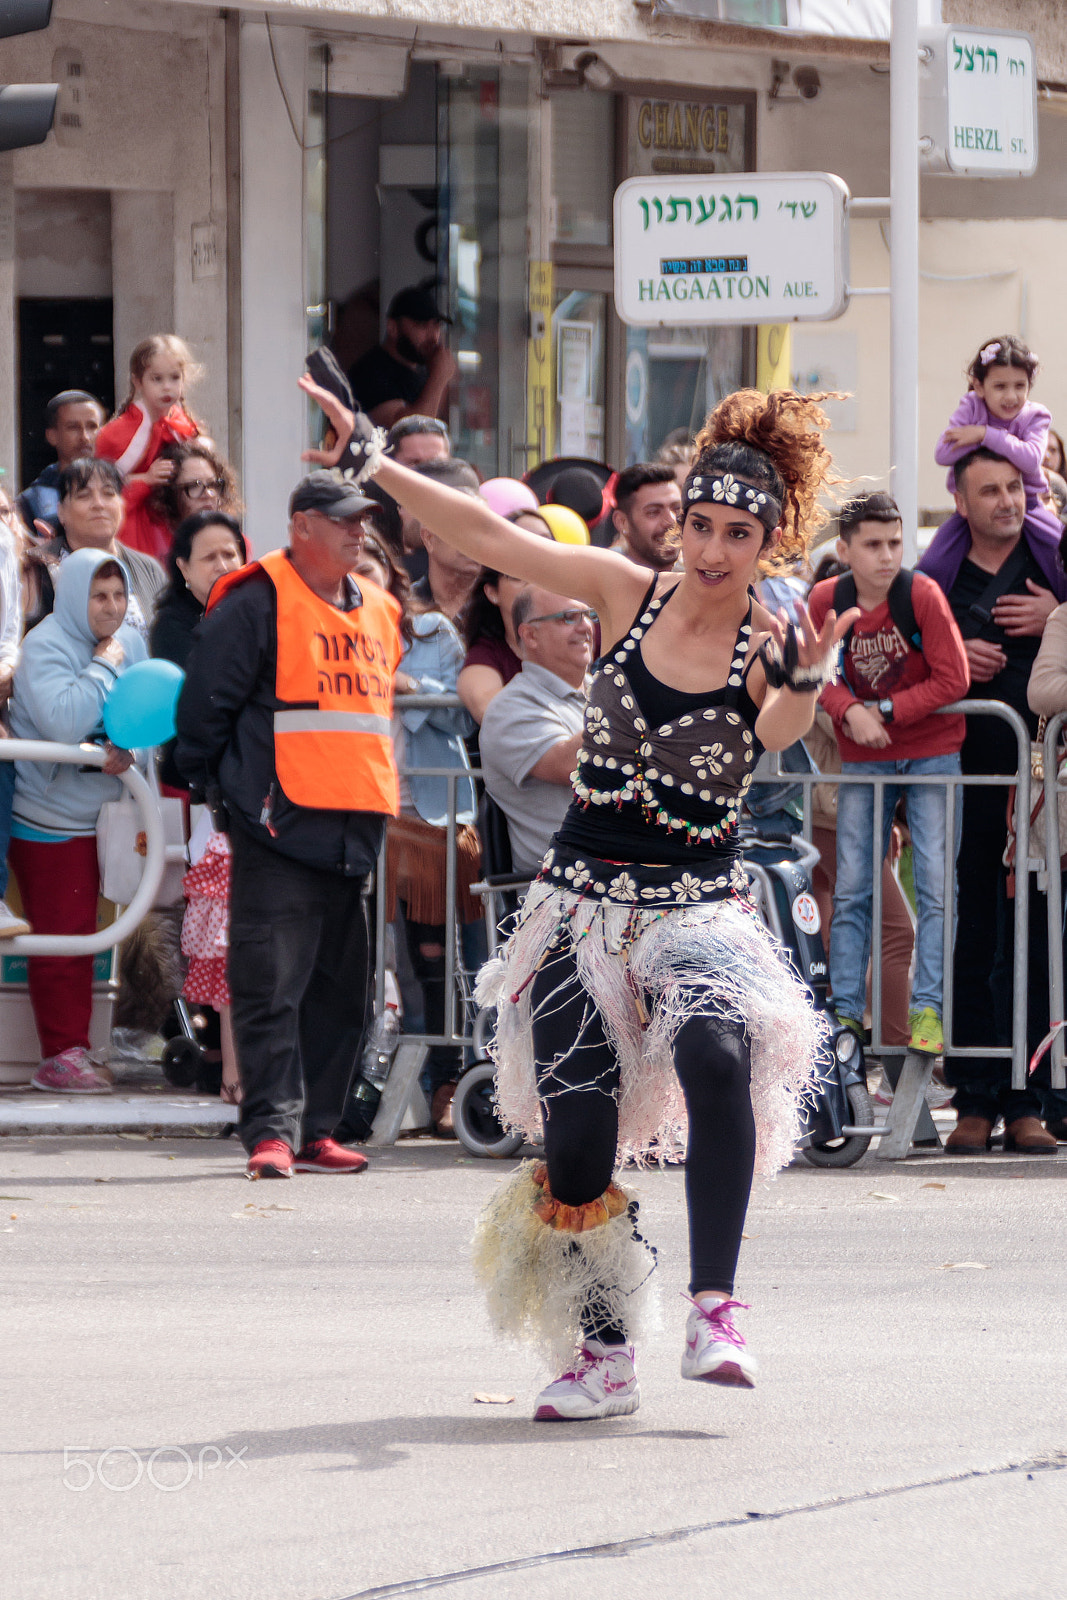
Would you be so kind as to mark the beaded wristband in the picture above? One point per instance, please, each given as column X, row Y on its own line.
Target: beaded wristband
column 783, row 671
column 361, row 458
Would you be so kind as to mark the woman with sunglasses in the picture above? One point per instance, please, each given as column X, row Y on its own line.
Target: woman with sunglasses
column 643, row 1009
column 201, row 481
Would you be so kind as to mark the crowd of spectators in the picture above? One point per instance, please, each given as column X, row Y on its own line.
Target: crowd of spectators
column 117, row 550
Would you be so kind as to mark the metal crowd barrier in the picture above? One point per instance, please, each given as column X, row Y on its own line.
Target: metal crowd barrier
column 1054, row 784
column 1017, row 1050
column 899, row 1131
column 57, row 944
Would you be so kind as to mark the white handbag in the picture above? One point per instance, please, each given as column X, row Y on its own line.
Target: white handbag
column 121, row 846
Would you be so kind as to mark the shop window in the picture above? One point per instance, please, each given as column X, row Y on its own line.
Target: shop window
column 583, row 166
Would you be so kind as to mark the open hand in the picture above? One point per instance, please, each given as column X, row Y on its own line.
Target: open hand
column 355, row 431
column 813, row 644
column 341, row 419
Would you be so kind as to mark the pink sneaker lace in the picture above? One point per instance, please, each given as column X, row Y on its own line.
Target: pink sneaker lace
column 720, row 1323
column 586, row 1359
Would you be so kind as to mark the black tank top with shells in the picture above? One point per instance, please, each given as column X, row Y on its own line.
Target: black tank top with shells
column 661, row 773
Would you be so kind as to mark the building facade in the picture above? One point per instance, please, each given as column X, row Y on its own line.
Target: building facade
column 259, row 181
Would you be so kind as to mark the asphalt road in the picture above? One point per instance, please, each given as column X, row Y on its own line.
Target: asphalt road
column 268, row 1391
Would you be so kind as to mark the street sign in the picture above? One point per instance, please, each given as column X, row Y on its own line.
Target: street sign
column 744, row 248
column 978, row 103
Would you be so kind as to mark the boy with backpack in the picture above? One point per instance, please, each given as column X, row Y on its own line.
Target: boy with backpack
column 902, row 659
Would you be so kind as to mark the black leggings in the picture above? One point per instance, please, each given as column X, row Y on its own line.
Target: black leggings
column 578, row 1078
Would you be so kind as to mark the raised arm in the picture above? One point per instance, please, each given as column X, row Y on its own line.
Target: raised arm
column 613, row 586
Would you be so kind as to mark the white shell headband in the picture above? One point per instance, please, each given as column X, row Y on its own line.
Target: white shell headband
column 731, row 491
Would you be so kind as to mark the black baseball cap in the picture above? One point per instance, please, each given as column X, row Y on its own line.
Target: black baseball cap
column 419, row 305
column 333, row 496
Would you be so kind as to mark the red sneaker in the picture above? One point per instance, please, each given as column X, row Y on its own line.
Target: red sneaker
column 272, row 1158
column 326, row 1155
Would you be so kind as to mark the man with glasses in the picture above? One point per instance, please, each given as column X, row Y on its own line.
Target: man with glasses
column 533, row 728
column 284, row 723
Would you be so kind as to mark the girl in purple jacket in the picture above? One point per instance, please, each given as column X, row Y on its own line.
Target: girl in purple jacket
column 997, row 414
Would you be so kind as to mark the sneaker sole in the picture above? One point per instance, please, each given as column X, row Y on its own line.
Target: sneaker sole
column 728, row 1374
column 48, row 1088
column 330, row 1172
column 624, row 1406
column 269, row 1172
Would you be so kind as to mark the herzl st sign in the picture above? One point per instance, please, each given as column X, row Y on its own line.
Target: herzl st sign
column 978, row 102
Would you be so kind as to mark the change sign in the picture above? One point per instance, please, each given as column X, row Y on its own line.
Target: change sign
column 745, row 247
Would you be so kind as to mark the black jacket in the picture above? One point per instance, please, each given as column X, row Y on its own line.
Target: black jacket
column 226, row 737
column 170, row 638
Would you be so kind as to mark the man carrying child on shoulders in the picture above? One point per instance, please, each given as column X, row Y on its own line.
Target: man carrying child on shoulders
column 902, row 660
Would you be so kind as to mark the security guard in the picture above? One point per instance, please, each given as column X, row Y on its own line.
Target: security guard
column 284, row 725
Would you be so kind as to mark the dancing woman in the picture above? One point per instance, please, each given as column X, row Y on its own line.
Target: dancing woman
column 642, row 1007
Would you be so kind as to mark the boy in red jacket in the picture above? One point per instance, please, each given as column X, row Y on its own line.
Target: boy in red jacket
column 902, row 659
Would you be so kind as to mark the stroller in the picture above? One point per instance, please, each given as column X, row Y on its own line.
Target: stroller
column 779, row 867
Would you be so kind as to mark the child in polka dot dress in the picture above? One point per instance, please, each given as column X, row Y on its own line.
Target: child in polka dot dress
column 205, row 942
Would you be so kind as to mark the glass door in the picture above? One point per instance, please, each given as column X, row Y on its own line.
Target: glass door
column 482, row 153
column 316, row 309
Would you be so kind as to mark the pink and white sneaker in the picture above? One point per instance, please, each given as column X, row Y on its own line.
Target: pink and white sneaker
column 71, row 1072
column 602, row 1383
column 714, row 1349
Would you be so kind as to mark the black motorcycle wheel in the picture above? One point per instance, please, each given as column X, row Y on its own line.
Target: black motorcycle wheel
column 474, row 1115
column 846, row 1151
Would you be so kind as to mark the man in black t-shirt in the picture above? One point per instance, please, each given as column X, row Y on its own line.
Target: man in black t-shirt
column 991, row 498
column 409, row 372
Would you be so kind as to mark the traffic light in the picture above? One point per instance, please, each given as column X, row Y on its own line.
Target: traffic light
column 26, row 109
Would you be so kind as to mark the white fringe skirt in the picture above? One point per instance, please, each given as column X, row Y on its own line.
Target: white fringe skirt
column 650, row 955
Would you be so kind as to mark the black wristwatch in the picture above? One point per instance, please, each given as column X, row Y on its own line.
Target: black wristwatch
column 883, row 707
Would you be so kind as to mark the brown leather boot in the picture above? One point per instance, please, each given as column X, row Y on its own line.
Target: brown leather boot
column 441, row 1111
column 970, row 1137
column 1027, row 1137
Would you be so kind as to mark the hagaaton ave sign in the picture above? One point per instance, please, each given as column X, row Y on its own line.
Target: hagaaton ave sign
column 744, row 247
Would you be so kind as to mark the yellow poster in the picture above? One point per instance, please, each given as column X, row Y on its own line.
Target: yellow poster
column 774, row 353
column 540, row 388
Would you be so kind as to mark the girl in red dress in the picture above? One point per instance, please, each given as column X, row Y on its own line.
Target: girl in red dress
column 154, row 415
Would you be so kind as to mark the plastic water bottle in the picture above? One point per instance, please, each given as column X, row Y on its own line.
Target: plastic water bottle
column 381, row 1048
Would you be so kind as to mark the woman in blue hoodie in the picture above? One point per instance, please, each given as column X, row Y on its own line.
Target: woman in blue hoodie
column 69, row 665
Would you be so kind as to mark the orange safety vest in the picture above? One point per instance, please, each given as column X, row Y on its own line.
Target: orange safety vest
column 333, row 745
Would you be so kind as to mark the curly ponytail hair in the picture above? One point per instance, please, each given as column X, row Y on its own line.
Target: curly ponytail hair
column 774, row 441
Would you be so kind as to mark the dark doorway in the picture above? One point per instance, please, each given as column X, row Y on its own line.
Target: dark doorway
column 63, row 344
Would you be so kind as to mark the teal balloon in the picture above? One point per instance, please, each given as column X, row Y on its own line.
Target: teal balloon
column 140, row 709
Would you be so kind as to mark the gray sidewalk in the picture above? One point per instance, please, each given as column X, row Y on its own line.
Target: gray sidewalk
column 269, row 1390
